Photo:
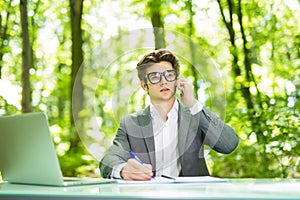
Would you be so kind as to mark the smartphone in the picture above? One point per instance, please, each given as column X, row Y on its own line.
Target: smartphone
column 181, row 92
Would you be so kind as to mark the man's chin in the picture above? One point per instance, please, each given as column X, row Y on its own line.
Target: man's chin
column 168, row 98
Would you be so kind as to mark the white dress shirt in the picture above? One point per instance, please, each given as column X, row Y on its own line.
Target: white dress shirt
column 166, row 140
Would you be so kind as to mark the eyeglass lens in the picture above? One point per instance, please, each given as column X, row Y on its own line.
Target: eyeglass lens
column 155, row 77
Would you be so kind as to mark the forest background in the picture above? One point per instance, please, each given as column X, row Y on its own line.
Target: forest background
column 75, row 60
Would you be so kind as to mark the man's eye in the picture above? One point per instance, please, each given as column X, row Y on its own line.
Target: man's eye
column 155, row 76
column 170, row 75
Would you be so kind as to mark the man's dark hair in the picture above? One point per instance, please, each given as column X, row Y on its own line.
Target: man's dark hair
column 156, row 57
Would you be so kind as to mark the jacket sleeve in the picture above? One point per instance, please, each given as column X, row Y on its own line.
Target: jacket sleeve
column 216, row 134
column 117, row 153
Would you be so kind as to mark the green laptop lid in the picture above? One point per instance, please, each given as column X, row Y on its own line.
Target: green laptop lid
column 27, row 152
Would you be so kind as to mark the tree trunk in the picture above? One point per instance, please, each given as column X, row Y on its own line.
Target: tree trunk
column 76, row 7
column 157, row 24
column 247, row 55
column 26, row 59
column 245, row 89
column 248, row 77
column 191, row 33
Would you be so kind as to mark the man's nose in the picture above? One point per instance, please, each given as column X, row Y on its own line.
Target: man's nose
column 163, row 80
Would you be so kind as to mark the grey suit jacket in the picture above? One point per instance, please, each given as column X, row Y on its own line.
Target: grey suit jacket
column 194, row 131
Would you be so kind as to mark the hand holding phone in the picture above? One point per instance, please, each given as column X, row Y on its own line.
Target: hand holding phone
column 186, row 92
column 180, row 86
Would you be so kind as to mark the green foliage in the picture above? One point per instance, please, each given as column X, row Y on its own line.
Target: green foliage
column 79, row 162
column 274, row 152
column 269, row 132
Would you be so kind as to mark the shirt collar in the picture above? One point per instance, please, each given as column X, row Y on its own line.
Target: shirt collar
column 173, row 112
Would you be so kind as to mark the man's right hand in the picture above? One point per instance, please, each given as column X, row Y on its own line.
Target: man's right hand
column 133, row 170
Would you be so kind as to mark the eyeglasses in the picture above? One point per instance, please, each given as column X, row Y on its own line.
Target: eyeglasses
column 155, row 77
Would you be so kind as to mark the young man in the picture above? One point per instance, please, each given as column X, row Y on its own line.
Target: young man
column 168, row 136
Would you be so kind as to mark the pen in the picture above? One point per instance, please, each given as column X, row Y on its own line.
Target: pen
column 168, row 177
column 132, row 155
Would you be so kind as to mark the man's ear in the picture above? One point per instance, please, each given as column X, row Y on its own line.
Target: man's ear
column 144, row 86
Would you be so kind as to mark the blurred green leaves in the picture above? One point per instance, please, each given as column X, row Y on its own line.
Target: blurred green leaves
column 269, row 131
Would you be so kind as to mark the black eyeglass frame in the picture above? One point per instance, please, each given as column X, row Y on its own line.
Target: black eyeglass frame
column 147, row 76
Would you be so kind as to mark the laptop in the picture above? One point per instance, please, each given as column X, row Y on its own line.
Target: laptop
column 28, row 156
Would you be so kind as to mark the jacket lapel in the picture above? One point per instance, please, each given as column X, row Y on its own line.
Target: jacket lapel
column 145, row 124
column 184, row 118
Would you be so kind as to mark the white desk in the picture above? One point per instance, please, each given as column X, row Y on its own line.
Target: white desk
column 233, row 189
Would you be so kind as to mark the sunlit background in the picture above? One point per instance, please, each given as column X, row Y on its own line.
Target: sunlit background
column 272, row 29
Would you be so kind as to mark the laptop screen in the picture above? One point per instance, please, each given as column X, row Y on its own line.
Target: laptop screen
column 27, row 152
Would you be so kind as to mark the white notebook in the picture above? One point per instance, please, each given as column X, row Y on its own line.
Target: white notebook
column 185, row 179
